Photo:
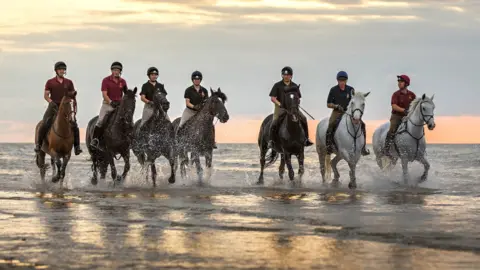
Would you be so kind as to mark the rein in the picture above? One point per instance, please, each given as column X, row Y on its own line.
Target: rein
column 409, row 120
column 356, row 131
column 73, row 114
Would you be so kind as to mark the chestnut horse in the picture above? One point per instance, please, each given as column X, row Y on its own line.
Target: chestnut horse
column 59, row 140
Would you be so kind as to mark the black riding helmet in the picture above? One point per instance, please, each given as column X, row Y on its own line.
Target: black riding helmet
column 287, row 71
column 152, row 70
column 197, row 75
column 59, row 65
column 116, row 65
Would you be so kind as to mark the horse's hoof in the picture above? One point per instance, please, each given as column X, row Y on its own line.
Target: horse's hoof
column 55, row 179
column 171, row 180
column 119, row 179
column 422, row 179
column 260, row 181
column 352, row 185
column 94, row 181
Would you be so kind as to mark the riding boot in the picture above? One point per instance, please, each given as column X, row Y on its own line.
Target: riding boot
column 97, row 132
column 305, row 129
column 273, row 133
column 365, row 151
column 76, row 139
column 42, row 132
column 214, row 142
column 388, row 143
column 329, row 142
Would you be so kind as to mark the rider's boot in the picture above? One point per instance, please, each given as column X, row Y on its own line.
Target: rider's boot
column 42, row 132
column 329, row 142
column 97, row 132
column 388, row 143
column 305, row 129
column 365, row 151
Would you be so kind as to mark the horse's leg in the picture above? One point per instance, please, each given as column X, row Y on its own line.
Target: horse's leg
column 54, row 166
column 94, row 167
column 196, row 158
column 208, row 163
column 113, row 169
column 405, row 169
column 281, row 167
column 58, row 163
column 183, row 164
column 103, row 164
column 288, row 162
column 126, row 168
column 353, row 179
column 173, row 167
column 263, row 152
column 40, row 160
column 66, row 159
column 301, row 169
column 426, row 166
column 336, row 174
column 154, row 173
column 321, row 160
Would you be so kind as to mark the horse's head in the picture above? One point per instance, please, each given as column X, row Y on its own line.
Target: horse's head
column 291, row 102
column 427, row 108
column 216, row 105
column 356, row 107
column 161, row 102
column 127, row 106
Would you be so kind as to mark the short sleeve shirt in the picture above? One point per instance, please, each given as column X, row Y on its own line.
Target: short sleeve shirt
column 402, row 100
column 58, row 89
column 148, row 89
column 340, row 97
column 114, row 88
column 195, row 96
column 279, row 88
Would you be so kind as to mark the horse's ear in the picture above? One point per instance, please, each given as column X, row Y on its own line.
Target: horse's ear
column 423, row 97
column 298, row 86
column 432, row 97
column 219, row 90
column 366, row 94
column 211, row 91
column 135, row 90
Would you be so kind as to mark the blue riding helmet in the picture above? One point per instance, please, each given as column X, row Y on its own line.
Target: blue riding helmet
column 342, row 74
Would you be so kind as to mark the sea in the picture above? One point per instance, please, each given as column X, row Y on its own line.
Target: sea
column 230, row 222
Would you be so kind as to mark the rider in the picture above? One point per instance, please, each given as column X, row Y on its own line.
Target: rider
column 148, row 91
column 338, row 99
column 112, row 92
column 55, row 89
column 194, row 96
column 277, row 95
column 401, row 100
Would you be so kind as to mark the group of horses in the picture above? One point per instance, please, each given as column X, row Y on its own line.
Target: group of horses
column 158, row 137
column 161, row 137
column 409, row 143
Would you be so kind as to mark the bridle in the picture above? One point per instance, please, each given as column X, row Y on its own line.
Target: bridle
column 356, row 132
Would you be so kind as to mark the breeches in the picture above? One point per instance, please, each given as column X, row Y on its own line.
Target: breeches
column 104, row 111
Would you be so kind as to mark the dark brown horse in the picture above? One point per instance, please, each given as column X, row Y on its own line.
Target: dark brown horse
column 59, row 140
column 116, row 139
column 156, row 139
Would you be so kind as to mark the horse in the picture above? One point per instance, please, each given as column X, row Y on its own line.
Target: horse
column 409, row 142
column 116, row 139
column 291, row 139
column 196, row 135
column 59, row 140
column 156, row 139
column 348, row 141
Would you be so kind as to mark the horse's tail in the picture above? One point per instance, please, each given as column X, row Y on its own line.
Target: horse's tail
column 328, row 167
column 271, row 158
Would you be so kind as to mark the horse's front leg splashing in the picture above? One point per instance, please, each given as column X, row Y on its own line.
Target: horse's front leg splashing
column 353, row 179
column 288, row 162
column 56, row 176
column 406, row 176
column 208, row 164
column 126, row 168
column 198, row 165
column 281, row 167
column 301, row 169
column 336, row 174
column 66, row 159
column 426, row 166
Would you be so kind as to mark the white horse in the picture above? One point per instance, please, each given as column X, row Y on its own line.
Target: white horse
column 409, row 142
column 348, row 139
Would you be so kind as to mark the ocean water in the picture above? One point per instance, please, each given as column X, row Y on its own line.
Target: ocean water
column 231, row 223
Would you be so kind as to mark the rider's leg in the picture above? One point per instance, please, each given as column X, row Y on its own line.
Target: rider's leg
column 76, row 138
column 305, row 129
column 273, row 126
column 331, row 126
column 105, row 110
column 394, row 123
column 147, row 113
column 365, row 151
column 43, row 130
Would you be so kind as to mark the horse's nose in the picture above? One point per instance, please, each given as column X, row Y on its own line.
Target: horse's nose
column 431, row 126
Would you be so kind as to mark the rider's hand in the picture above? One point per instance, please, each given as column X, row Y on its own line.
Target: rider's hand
column 114, row 104
column 339, row 108
column 150, row 102
column 405, row 111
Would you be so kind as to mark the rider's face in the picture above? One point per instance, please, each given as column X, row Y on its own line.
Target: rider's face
column 287, row 78
column 196, row 82
column 116, row 72
column 401, row 84
column 61, row 72
column 342, row 83
column 153, row 77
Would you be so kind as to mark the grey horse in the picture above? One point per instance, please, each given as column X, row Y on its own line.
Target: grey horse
column 156, row 139
column 196, row 135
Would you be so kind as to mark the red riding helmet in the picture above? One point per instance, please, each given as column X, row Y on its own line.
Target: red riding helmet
column 404, row 78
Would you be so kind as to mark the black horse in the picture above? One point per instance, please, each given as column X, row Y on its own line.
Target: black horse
column 157, row 138
column 196, row 135
column 290, row 140
column 116, row 139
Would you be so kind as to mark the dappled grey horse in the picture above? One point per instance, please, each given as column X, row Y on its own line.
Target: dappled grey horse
column 409, row 143
column 116, row 139
column 348, row 139
column 156, row 139
column 290, row 139
column 196, row 135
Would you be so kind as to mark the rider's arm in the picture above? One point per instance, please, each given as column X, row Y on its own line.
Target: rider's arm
column 394, row 102
column 105, row 91
column 331, row 100
column 187, row 99
column 46, row 93
column 273, row 95
column 143, row 93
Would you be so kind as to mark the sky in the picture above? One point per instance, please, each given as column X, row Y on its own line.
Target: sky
column 241, row 47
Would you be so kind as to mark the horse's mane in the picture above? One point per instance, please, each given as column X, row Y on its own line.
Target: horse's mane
column 357, row 94
column 413, row 106
column 220, row 95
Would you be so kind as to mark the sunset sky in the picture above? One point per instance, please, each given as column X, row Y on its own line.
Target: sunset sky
column 241, row 46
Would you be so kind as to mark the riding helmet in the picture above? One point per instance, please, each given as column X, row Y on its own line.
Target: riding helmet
column 404, row 78
column 116, row 65
column 197, row 75
column 342, row 75
column 287, row 71
column 152, row 70
column 60, row 65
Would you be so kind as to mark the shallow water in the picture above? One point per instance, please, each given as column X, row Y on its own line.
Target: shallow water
column 231, row 223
